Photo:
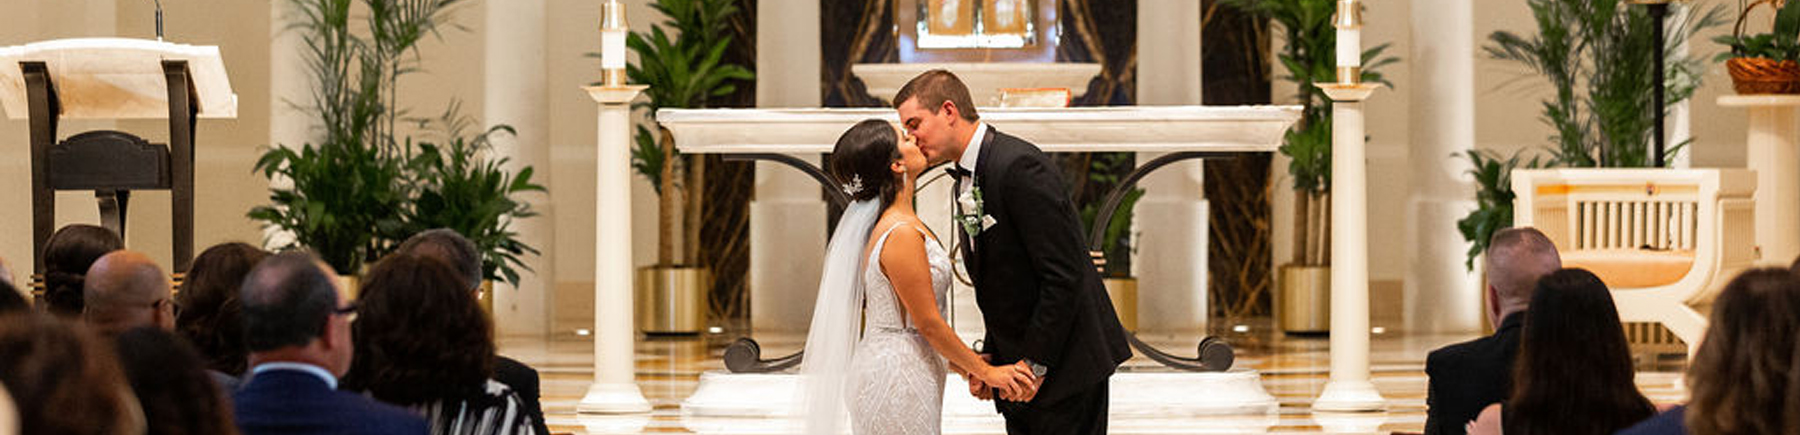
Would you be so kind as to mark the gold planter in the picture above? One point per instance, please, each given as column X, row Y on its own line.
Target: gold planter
column 672, row 300
column 1124, row 295
column 485, row 297
column 351, row 286
column 1304, row 304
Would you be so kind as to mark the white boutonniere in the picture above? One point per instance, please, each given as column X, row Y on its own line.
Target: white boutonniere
column 973, row 219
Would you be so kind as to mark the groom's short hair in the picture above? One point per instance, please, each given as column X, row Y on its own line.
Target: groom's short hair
column 933, row 88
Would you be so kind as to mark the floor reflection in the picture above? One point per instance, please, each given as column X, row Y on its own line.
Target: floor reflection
column 1293, row 370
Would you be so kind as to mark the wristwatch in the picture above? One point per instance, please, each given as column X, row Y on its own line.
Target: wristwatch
column 1037, row 370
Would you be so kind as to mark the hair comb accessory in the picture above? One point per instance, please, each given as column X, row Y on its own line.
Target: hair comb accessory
column 855, row 186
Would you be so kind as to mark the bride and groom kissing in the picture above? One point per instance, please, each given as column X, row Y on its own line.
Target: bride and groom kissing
column 879, row 347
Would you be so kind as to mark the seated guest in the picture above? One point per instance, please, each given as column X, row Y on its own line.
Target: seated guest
column 1573, row 375
column 423, row 342
column 445, row 245
column 1468, row 376
column 297, row 327
column 63, row 379
column 125, row 290
column 67, row 256
column 211, row 317
column 173, row 389
column 1744, row 375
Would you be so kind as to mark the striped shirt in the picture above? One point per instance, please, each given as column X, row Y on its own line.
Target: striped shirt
column 496, row 412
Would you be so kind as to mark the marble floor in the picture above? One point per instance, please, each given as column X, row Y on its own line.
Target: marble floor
column 1293, row 369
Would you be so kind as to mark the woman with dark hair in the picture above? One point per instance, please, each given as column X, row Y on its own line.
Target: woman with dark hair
column 422, row 342
column 1573, row 374
column 67, row 256
column 890, row 376
column 1745, row 378
column 63, row 379
column 173, row 388
column 211, row 316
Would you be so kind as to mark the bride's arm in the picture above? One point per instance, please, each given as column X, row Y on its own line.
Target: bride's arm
column 903, row 261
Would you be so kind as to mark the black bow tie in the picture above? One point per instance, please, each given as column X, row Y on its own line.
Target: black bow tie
column 958, row 172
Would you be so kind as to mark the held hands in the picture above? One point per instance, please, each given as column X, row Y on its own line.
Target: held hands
column 1012, row 382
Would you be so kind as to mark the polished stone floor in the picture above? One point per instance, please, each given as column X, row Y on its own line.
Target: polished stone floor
column 1294, row 370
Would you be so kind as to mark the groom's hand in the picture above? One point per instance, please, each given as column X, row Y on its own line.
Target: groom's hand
column 1030, row 389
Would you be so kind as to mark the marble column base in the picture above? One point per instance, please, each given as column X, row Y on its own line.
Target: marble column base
column 623, row 398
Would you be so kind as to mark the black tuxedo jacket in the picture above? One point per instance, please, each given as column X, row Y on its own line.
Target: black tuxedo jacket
column 1469, row 376
column 1037, row 287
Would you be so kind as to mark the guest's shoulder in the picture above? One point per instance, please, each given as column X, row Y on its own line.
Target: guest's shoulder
column 1454, row 355
column 1669, row 422
column 508, row 368
column 374, row 410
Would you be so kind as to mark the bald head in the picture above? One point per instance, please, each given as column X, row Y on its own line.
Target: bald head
column 125, row 290
column 1516, row 259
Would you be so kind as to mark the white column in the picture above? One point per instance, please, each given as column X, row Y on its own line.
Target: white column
column 1349, row 388
column 290, row 92
column 1170, row 262
column 1774, row 153
column 615, row 388
column 787, row 216
column 1441, row 295
column 516, row 94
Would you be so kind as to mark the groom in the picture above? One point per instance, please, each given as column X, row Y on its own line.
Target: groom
column 1022, row 244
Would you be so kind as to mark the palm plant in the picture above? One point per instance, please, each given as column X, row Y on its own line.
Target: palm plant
column 350, row 185
column 459, row 189
column 1494, row 200
column 1594, row 54
column 683, row 71
column 1310, row 58
column 360, row 188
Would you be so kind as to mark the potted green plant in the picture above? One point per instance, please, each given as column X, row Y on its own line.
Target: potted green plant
column 358, row 188
column 1117, row 241
column 683, row 71
column 1594, row 54
column 1764, row 63
column 348, row 185
column 460, row 189
column 1310, row 59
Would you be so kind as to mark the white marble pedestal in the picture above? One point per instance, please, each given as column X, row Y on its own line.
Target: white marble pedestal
column 1774, row 153
column 765, row 403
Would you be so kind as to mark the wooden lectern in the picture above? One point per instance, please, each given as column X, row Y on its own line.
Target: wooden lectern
column 113, row 78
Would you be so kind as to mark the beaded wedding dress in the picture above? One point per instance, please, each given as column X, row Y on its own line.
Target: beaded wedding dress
column 896, row 380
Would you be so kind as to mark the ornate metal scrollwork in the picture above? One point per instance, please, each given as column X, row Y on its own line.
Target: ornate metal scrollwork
column 1213, row 354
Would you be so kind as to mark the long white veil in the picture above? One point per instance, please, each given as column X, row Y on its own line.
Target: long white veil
column 836, row 321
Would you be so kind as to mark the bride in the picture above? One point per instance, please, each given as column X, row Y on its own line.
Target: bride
column 886, row 271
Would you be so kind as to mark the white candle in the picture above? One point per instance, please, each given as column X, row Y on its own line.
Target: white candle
column 1349, row 47
column 612, row 49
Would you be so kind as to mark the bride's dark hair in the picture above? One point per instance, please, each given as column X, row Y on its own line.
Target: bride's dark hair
column 861, row 159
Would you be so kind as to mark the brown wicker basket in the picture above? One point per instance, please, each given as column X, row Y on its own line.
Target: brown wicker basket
column 1753, row 75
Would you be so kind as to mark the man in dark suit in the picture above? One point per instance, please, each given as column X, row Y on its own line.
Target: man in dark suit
column 297, row 326
column 1022, row 243
column 1468, row 376
column 450, row 247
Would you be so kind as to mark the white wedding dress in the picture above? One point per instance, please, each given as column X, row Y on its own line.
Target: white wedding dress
column 896, row 380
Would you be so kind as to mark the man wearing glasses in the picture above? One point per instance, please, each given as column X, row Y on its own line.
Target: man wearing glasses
column 125, row 290
column 297, row 327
